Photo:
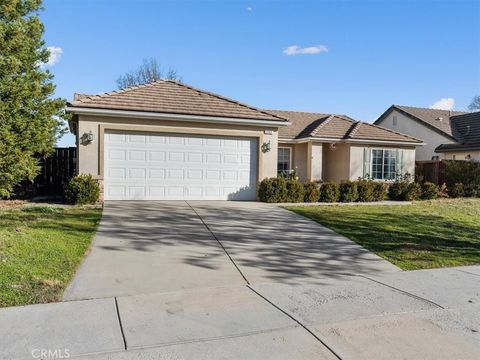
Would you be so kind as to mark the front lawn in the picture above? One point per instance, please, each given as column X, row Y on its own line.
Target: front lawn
column 426, row 234
column 40, row 249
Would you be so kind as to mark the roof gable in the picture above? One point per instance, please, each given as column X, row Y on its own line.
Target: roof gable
column 434, row 119
column 167, row 96
column 331, row 126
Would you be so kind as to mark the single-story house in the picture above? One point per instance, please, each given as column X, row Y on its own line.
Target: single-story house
column 451, row 135
column 168, row 140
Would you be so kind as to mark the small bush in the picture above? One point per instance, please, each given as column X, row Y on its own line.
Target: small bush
column 273, row 190
column 348, row 191
column 379, row 192
column 400, row 187
column 465, row 172
column 413, row 192
column 329, row 192
column 311, row 192
column 429, row 191
column 82, row 189
column 456, row 190
column 365, row 190
column 295, row 191
column 472, row 190
column 443, row 191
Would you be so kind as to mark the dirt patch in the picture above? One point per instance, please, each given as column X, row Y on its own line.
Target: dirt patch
column 11, row 204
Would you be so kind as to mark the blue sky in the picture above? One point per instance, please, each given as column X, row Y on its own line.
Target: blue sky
column 351, row 57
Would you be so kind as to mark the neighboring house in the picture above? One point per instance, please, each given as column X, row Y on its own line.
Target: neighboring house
column 333, row 147
column 169, row 141
column 467, row 131
column 447, row 134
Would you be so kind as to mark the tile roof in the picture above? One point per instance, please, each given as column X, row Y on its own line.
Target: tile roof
column 319, row 125
column 167, row 96
column 433, row 118
column 467, row 130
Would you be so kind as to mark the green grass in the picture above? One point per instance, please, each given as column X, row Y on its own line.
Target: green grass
column 40, row 249
column 426, row 234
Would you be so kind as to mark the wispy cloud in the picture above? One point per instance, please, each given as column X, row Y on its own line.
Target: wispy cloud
column 249, row 8
column 310, row 50
column 55, row 55
column 443, row 104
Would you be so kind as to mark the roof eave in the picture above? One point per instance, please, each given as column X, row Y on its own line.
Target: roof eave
column 439, row 148
column 355, row 141
column 170, row 116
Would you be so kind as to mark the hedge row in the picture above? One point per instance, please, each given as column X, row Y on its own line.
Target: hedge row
column 277, row 190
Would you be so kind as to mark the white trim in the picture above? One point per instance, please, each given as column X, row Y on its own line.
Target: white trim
column 353, row 141
column 168, row 116
column 289, row 156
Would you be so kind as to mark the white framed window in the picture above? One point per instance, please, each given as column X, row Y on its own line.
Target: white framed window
column 384, row 164
column 284, row 162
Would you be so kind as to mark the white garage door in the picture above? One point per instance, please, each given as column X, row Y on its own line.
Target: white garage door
column 177, row 167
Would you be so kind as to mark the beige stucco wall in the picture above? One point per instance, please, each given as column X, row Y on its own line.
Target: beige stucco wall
column 300, row 162
column 322, row 161
column 90, row 157
column 336, row 162
column 411, row 127
column 357, row 154
column 461, row 155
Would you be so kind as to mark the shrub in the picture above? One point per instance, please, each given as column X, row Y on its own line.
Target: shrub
column 348, row 191
column 82, row 189
column 379, row 192
column 429, row 191
column 329, row 192
column 413, row 192
column 273, row 190
column 443, row 191
column 365, row 190
column 465, row 172
column 472, row 190
column 295, row 191
column 456, row 190
column 311, row 192
column 399, row 188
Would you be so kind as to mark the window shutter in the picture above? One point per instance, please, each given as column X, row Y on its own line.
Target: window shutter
column 399, row 162
column 366, row 162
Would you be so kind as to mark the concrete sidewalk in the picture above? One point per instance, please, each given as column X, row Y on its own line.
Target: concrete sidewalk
column 428, row 314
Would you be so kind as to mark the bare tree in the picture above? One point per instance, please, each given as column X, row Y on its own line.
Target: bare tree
column 475, row 104
column 149, row 71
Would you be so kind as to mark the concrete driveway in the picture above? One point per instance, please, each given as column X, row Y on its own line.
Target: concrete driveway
column 147, row 247
column 208, row 280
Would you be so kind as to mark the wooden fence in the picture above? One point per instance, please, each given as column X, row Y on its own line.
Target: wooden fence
column 432, row 170
column 55, row 171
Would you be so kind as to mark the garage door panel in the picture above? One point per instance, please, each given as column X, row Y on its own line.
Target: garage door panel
column 174, row 167
column 157, row 155
column 195, row 157
column 176, row 157
column 137, row 155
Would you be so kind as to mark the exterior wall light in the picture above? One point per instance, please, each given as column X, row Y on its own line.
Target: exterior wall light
column 87, row 138
column 267, row 146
